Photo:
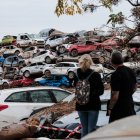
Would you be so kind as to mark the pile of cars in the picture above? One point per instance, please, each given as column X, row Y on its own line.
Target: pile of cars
column 37, row 72
column 33, row 56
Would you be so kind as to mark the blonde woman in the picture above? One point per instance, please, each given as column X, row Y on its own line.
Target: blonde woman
column 89, row 112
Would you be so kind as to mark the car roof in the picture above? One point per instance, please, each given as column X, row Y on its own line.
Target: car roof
column 27, row 88
column 7, row 92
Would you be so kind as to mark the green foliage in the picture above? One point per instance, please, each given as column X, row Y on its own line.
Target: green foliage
column 116, row 19
column 68, row 7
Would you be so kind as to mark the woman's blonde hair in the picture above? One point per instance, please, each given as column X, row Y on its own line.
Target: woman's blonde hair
column 85, row 62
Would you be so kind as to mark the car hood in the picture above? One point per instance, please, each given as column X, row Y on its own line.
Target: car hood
column 39, row 39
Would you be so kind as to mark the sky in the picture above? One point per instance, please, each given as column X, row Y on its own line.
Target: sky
column 31, row 16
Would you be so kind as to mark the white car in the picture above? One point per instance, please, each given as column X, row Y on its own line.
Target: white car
column 19, row 103
column 96, row 67
column 33, row 68
column 38, row 40
column 55, row 40
column 30, row 52
column 43, row 56
column 63, row 68
column 24, row 40
column 10, row 49
column 132, row 65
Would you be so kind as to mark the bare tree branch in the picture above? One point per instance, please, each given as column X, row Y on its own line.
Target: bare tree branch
column 134, row 4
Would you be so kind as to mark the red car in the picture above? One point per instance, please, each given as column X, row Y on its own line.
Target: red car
column 81, row 47
column 113, row 42
column 20, row 82
column 132, row 52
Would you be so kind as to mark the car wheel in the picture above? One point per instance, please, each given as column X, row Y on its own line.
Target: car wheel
column 47, row 73
column 61, row 49
column 48, row 60
column 71, row 75
column 74, row 53
column 17, row 52
column 26, row 74
column 5, row 85
column 47, row 47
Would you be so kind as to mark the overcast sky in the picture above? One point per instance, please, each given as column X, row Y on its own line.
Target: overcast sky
column 31, row 16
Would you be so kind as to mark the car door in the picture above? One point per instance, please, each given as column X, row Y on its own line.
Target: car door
column 21, row 40
column 41, row 56
column 26, row 40
column 66, row 66
column 41, row 98
column 60, row 94
column 19, row 105
column 82, row 48
column 90, row 46
column 41, row 66
column 15, row 61
column 58, row 40
column 15, row 82
column 33, row 68
column 58, row 68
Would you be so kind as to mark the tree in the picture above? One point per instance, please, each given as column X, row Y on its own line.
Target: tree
column 71, row 7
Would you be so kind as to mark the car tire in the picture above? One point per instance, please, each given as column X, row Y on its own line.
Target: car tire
column 47, row 47
column 48, row 60
column 74, row 53
column 5, row 85
column 26, row 74
column 71, row 75
column 17, row 52
column 61, row 49
column 46, row 73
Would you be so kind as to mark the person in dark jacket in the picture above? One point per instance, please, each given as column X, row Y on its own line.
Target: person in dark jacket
column 89, row 112
column 123, row 85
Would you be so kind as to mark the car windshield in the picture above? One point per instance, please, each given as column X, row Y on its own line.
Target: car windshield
column 34, row 36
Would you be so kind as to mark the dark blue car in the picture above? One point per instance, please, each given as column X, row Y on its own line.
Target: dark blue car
column 53, row 80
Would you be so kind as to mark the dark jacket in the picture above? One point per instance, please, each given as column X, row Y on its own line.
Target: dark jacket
column 96, row 89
